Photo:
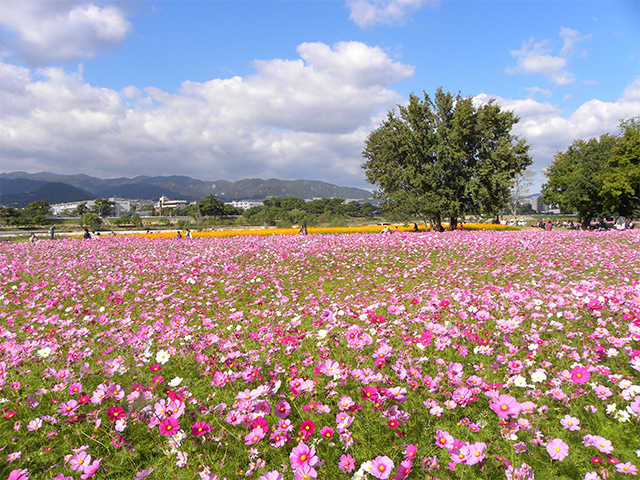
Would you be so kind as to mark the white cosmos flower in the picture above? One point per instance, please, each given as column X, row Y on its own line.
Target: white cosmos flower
column 162, row 357
column 175, row 382
column 44, row 352
column 538, row 376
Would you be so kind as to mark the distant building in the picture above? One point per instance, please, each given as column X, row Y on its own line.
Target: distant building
column 165, row 202
column 121, row 206
column 245, row 204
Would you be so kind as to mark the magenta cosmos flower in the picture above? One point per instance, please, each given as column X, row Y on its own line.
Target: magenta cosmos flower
column 169, row 426
column 557, row 449
column 381, row 467
column 200, row 428
column 303, row 455
column 579, row 375
column 505, row 405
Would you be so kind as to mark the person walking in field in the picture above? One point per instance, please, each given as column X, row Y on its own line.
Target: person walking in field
column 52, row 231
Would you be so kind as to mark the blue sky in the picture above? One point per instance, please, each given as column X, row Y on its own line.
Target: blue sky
column 290, row 89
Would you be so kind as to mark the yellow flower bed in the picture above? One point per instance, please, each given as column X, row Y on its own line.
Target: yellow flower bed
column 319, row 230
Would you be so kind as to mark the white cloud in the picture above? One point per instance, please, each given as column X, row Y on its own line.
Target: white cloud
column 536, row 58
column 43, row 31
column 367, row 13
column 548, row 131
column 304, row 118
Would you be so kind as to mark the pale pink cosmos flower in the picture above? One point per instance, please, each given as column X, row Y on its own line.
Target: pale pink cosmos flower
column 627, row 468
column 347, row 463
column 601, row 443
column 570, row 423
column 444, row 439
column 273, row 475
column 505, row 405
column 79, row 460
column 90, row 470
column 557, row 449
column 305, row 472
column 381, row 467
column 254, row 436
column 603, row 392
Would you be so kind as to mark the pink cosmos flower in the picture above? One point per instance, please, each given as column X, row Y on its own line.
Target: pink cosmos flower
column 90, row 470
column 627, row 468
column 476, row 453
column 273, row 475
column 347, row 463
column 444, row 439
column 404, row 469
column 68, row 408
column 79, row 460
column 254, row 436
column 326, row 432
column 200, row 428
column 381, row 467
column 115, row 413
column 557, row 449
column 601, row 443
column 282, row 409
column 603, row 392
column 410, row 452
column 303, row 455
column 579, row 375
column 19, row 475
column 305, row 472
column 169, row 426
column 307, row 428
column 570, row 423
column 505, row 405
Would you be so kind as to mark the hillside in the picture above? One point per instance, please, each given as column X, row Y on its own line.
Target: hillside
column 20, row 188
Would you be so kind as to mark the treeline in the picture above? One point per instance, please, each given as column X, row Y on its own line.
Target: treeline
column 599, row 177
column 296, row 211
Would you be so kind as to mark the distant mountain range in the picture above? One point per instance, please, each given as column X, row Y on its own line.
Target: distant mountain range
column 18, row 189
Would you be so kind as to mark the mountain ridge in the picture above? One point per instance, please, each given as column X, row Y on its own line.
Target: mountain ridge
column 16, row 188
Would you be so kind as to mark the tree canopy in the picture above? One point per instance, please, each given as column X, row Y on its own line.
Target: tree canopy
column 445, row 158
column 599, row 176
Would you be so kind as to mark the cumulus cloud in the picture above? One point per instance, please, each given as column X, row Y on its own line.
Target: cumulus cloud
column 43, row 31
column 368, row 13
column 299, row 118
column 536, row 58
column 549, row 131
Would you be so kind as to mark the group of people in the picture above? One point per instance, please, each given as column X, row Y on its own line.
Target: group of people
column 187, row 234
column 33, row 238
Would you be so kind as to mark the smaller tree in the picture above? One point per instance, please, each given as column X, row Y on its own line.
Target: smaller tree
column 102, row 206
column 521, row 183
column 575, row 178
column 35, row 211
column 81, row 209
column 91, row 220
column 621, row 178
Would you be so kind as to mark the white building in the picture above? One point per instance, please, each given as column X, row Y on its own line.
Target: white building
column 245, row 204
column 121, row 206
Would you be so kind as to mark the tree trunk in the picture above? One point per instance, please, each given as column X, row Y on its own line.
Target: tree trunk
column 586, row 222
column 437, row 220
column 453, row 224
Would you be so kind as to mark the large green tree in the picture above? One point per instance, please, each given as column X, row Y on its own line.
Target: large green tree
column 445, row 158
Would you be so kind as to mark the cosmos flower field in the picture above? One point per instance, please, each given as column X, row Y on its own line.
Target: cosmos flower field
column 477, row 354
